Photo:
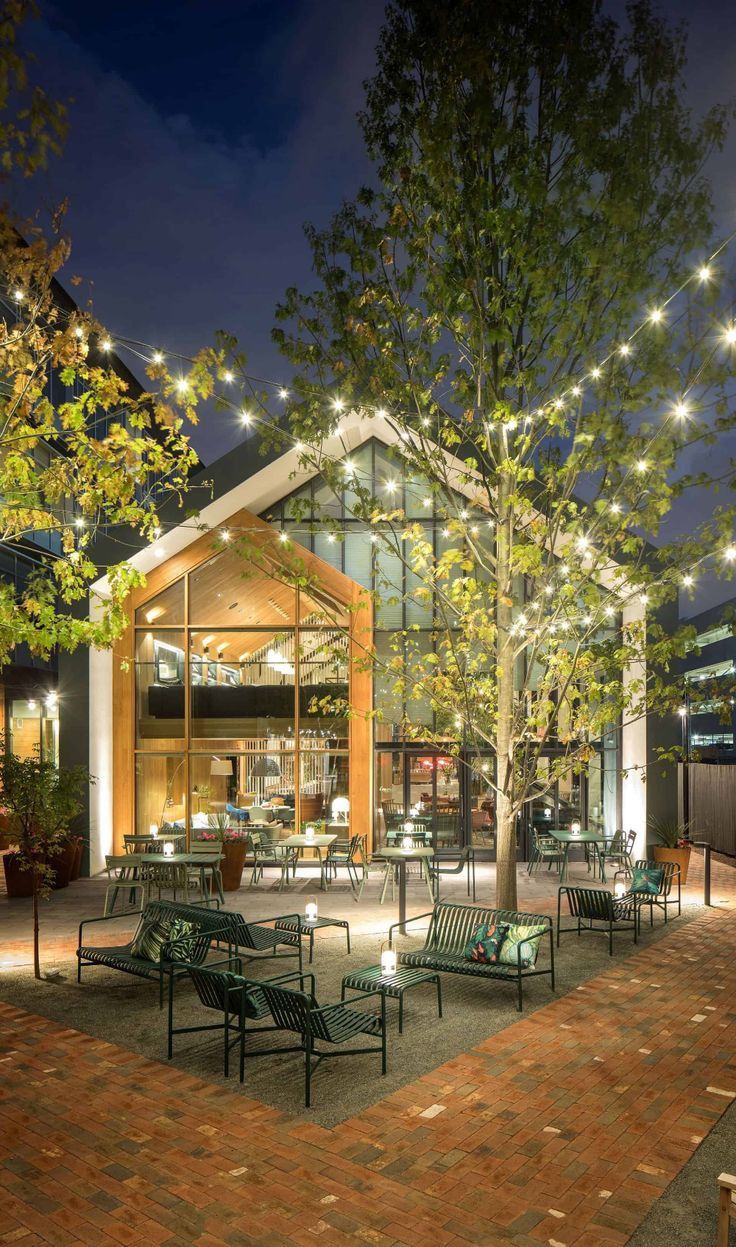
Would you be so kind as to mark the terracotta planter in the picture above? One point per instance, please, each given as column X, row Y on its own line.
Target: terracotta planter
column 680, row 857
column 76, row 868
column 18, row 882
column 231, row 866
column 62, row 865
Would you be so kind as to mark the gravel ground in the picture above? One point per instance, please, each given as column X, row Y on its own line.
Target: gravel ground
column 123, row 1010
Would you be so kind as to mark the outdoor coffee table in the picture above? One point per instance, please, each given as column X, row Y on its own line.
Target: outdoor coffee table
column 308, row 926
column 399, row 857
column 372, row 979
column 316, row 842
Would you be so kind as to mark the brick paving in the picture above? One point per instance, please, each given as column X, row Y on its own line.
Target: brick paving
column 561, row 1129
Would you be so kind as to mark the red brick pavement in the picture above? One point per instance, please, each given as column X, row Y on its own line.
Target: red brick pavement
column 562, row 1129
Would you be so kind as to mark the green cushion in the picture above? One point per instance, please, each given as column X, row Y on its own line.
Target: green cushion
column 521, row 937
column 647, row 880
column 149, row 939
column 179, row 930
column 485, row 944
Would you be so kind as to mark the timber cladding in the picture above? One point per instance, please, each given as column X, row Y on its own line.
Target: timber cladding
column 713, row 804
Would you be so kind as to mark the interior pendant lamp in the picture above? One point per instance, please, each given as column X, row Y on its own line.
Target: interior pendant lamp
column 265, row 768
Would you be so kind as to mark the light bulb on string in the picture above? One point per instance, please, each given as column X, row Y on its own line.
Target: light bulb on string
column 681, row 409
column 705, row 272
column 158, row 357
column 106, row 344
column 687, row 581
column 245, row 417
column 729, row 335
column 595, row 372
column 227, row 377
column 656, row 315
column 283, row 393
column 182, row 385
column 624, row 349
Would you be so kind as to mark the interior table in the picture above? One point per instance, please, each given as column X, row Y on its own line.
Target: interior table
column 155, row 844
column 300, row 841
column 205, row 863
column 398, row 857
column 585, row 836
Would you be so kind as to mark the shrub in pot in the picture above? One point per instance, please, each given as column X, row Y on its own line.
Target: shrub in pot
column 672, row 844
column 41, row 801
column 233, row 845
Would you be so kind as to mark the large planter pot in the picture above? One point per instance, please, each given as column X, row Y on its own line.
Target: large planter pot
column 62, row 865
column 18, row 882
column 231, row 866
column 77, row 867
column 680, row 857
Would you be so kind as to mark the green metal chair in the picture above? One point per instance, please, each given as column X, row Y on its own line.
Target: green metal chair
column 620, row 850
column 266, row 853
column 544, row 849
column 346, row 853
column 464, row 859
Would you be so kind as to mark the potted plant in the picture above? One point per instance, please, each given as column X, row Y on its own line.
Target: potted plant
column 233, row 845
column 673, row 844
column 41, row 802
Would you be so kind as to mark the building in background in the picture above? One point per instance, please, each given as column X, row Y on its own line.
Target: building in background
column 709, row 673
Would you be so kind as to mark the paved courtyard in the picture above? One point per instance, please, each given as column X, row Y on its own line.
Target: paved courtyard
column 562, row 1128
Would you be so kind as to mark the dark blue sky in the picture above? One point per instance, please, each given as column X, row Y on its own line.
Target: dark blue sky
column 204, row 133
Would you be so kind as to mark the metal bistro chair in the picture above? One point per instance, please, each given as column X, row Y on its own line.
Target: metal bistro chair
column 346, row 853
column 465, row 859
column 544, row 849
column 121, row 873
column 267, row 853
column 596, row 909
column 620, row 850
column 164, row 876
column 193, row 873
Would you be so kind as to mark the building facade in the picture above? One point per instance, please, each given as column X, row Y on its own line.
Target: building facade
column 229, row 687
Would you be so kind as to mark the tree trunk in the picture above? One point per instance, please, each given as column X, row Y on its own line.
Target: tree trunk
column 36, row 956
column 505, row 822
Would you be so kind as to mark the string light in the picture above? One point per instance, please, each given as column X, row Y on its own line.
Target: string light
column 158, row 357
column 687, row 581
column 729, row 335
column 182, row 385
column 245, row 417
column 338, row 404
column 283, row 393
column 78, row 332
column 19, row 296
column 225, row 534
column 641, row 465
column 705, row 272
column 227, row 377
column 730, row 553
column 656, row 315
column 624, row 349
column 595, row 372
column 106, row 344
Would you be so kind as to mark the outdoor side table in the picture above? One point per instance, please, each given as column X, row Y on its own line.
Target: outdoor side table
column 372, row 979
column 308, row 926
column 400, row 857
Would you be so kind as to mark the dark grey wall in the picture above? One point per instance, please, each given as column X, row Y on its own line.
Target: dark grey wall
column 74, row 727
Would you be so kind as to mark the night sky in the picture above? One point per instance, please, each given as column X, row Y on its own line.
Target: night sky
column 205, row 133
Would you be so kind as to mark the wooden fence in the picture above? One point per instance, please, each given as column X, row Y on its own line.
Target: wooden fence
column 712, row 804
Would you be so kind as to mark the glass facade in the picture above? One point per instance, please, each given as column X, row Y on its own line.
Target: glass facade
column 242, row 687
column 441, row 794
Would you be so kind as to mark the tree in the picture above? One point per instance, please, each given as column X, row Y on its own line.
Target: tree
column 526, row 300
column 41, row 801
column 105, row 455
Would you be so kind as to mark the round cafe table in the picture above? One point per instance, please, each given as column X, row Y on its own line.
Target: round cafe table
column 397, row 856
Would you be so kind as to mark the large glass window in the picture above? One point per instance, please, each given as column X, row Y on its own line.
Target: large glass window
column 243, row 707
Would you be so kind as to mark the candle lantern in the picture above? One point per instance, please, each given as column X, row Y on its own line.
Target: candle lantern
column 168, row 849
column 407, row 842
column 310, row 910
column 409, row 826
column 575, row 827
column 619, row 888
column 388, row 961
column 153, row 829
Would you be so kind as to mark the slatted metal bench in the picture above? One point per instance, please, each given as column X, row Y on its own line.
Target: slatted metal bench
column 596, row 909
column 451, row 928
column 213, row 928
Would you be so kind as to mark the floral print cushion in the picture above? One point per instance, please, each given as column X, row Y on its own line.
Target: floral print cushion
column 485, row 944
column 647, row 880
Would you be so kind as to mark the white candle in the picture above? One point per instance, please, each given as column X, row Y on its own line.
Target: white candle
column 388, row 961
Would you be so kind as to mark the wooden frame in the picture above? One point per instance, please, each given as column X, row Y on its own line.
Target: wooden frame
column 341, row 588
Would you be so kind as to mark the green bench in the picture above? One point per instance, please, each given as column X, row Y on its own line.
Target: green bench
column 252, row 941
column 452, row 927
